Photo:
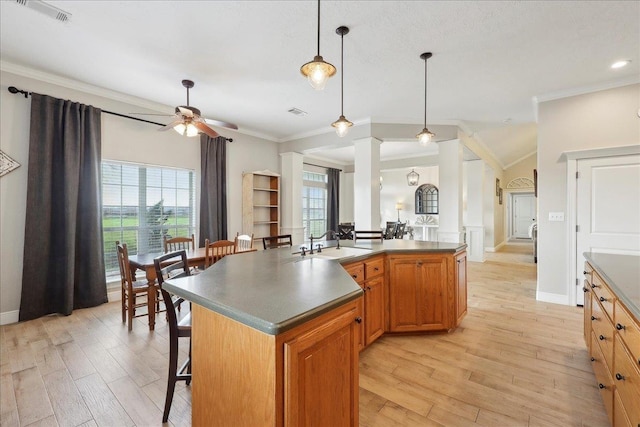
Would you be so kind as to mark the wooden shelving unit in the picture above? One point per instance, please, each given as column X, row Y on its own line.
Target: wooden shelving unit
column 261, row 204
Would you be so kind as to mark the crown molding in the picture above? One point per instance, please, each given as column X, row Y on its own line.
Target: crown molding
column 611, row 84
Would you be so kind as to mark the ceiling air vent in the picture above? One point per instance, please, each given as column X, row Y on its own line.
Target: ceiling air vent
column 297, row 111
column 47, row 9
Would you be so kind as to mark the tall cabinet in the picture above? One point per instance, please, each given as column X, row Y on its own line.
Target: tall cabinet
column 261, row 204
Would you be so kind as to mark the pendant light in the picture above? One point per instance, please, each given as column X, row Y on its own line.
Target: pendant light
column 318, row 71
column 412, row 178
column 425, row 136
column 342, row 125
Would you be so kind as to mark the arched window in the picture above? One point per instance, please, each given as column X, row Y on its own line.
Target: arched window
column 427, row 199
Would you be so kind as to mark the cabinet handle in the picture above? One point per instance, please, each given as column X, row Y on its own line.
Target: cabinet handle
column 584, row 272
column 358, row 319
column 593, row 359
column 593, row 286
column 603, row 299
column 418, row 263
column 601, row 337
column 459, row 261
column 585, row 290
column 368, row 288
column 364, row 290
column 619, row 377
column 619, row 326
column 376, row 269
column 594, row 318
column 355, row 276
column 601, row 386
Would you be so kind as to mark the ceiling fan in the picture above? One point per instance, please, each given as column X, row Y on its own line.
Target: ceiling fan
column 188, row 120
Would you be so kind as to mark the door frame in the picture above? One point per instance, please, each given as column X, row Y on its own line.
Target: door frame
column 572, row 158
column 510, row 203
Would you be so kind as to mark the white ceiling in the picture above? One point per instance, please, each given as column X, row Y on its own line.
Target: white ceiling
column 490, row 60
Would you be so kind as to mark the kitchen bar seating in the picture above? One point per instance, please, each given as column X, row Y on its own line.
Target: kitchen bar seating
column 175, row 265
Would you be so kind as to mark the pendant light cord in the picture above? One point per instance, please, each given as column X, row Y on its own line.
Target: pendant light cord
column 425, row 93
column 342, row 74
column 318, row 27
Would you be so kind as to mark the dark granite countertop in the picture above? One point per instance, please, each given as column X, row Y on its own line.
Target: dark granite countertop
column 276, row 290
column 622, row 274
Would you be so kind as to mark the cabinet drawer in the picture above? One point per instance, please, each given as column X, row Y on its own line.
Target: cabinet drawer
column 603, row 295
column 603, row 377
column 356, row 271
column 619, row 413
column 373, row 268
column 627, row 381
column 603, row 330
column 628, row 331
column 588, row 270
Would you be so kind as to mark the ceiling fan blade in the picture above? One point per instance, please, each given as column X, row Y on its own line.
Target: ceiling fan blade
column 171, row 125
column 185, row 111
column 202, row 127
column 221, row 124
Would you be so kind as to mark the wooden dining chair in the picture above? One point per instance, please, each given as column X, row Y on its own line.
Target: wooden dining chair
column 179, row 243
column 243, row 242
column 167, row 266
column 368, row 235
column 132, row 290
column 217, row 250
column 272, row 242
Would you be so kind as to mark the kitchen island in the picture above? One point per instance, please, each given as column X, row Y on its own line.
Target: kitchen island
column 276, row 335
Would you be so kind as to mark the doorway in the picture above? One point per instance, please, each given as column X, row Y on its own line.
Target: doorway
column 522, row 214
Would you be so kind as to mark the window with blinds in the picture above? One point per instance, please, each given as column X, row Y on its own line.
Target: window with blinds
column 314, row 203
column 141, row 204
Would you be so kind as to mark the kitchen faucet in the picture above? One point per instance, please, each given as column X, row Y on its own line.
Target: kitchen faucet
column 311, row 237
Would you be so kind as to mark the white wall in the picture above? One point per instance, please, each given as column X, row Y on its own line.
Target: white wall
column 607, row 118
column 122, row 139
column 395, row 190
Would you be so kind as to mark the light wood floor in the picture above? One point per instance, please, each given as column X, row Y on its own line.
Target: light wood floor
column 514, row 362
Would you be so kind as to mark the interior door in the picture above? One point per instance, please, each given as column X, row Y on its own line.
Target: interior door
column 608, row 209
column 523, row 214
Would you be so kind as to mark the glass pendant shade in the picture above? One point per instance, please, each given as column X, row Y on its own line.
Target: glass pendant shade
column 412, row 178
column 424, row 137
column 318, row 72
column 342, row 126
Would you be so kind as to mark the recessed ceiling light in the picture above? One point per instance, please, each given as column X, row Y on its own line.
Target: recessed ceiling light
column 620, row 64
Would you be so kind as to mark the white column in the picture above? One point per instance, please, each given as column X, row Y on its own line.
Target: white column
column 474, row 225
column 291, row 196
column 489, row 200
column 450, row 191
column 366, row 184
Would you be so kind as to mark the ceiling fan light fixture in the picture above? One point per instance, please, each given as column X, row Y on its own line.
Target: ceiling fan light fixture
column 425, row 137
column 186, row 129
column 318, row 71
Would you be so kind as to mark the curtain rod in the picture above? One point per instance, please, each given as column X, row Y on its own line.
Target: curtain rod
column 320, row 166
column 14, row 90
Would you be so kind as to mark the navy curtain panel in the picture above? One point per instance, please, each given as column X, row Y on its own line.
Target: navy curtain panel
column 333, row 196
column 213, row 189
column 63, row 266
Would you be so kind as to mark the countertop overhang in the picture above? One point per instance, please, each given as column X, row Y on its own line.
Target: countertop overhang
column 275, row 290
column 622, row 274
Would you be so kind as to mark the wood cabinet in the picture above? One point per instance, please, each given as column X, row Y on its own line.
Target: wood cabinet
column 614, row 348
column 461, row 287
column 305, row 376
column 261, row 204
column 369, row 274
column 418, row 292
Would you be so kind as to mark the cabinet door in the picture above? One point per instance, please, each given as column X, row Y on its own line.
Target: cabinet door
column 321, row 374
column 587, row 314
column 403, row 295
column 374, row 309
column 418, row 294
column 461, row 287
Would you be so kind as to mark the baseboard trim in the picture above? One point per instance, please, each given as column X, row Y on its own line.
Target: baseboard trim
column 495, row 248
column 552, row 298
column 9, row 317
